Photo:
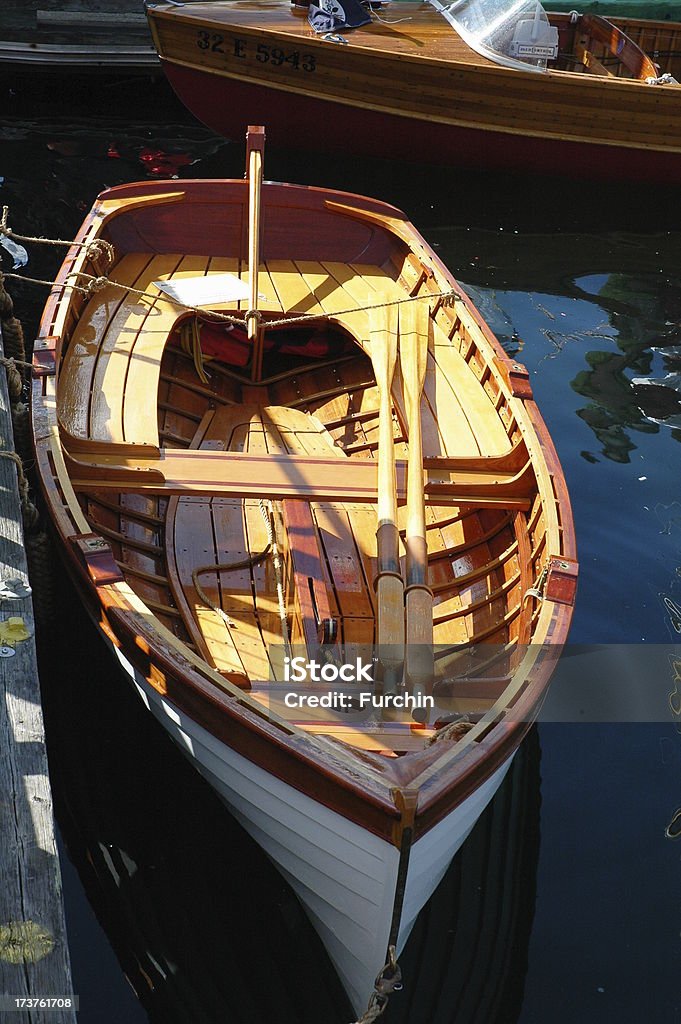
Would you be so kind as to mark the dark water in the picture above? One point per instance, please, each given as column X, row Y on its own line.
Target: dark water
column 579, row 921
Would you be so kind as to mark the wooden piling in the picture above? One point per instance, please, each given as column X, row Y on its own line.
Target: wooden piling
column 34, row 956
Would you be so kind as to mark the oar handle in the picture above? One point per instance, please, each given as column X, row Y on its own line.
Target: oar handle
column 419, row 654
column 255, row 147
column 388, row 582
column 415, row 543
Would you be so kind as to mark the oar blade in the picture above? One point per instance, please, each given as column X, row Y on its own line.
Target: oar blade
column 383, row 324
column 383, row 333
column 414, row 327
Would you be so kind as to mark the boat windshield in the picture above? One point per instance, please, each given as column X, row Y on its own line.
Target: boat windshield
column 515, row 33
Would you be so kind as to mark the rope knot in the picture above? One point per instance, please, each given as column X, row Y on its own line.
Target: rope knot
column 96, row 284
column 253, row 314
column 451, row 297
column 451, row 731
column 15, row 384
column 99, row 248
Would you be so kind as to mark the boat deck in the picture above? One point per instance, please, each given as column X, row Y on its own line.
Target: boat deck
column 113, row 362
column 404, row 28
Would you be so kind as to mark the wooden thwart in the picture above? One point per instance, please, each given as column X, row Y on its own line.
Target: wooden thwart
column 145, row 469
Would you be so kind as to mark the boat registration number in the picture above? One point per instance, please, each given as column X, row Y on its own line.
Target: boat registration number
column 243, row 49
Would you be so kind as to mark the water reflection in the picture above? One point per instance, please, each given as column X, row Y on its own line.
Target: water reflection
column 619, row 294
column 204, row 927
column 642, row 310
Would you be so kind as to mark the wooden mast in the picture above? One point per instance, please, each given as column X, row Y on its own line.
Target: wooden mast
column 255, row 149
column 414, row 334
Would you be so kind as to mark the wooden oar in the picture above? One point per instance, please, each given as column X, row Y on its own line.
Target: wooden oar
column 388, row 583
column 419, row 660
column 255, row 145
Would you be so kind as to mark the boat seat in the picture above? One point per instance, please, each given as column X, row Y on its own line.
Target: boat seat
column 147, row 470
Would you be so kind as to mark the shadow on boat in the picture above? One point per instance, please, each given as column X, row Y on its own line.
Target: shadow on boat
column 203, row 926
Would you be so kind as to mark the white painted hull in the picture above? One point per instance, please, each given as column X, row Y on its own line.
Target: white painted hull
column 344, row 876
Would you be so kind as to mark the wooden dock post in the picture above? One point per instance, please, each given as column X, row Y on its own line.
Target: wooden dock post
column 34, row 956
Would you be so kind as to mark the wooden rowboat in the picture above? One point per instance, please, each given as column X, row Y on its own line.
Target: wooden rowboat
column 432, row 82
column 216, row 498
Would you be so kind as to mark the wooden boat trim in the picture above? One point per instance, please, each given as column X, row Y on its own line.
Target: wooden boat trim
column 483, row 95
column 236, row 474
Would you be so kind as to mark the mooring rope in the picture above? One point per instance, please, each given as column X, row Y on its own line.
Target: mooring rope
column 96, row 247
column 28, row 510
column 15, row 383
column 95, row 283
column 451, row 732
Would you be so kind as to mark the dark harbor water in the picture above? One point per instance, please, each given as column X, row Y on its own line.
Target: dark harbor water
column 565, row 904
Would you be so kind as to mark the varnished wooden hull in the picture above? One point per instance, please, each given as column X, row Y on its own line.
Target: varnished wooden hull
column 141, row 492
column 340, row 127
column 410, row 91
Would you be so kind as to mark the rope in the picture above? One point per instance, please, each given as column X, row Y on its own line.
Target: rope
column 537, row 588
column 96, row 248
column 375, row 16
column 15, row 383
column 242, row 564
column 12, row 331
column 224, row 567
column 100, row 247
column 452, row 732
column 388, row 980
column 40, row 557
column 28, row 510
column 96, row 283
column 190, row 342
